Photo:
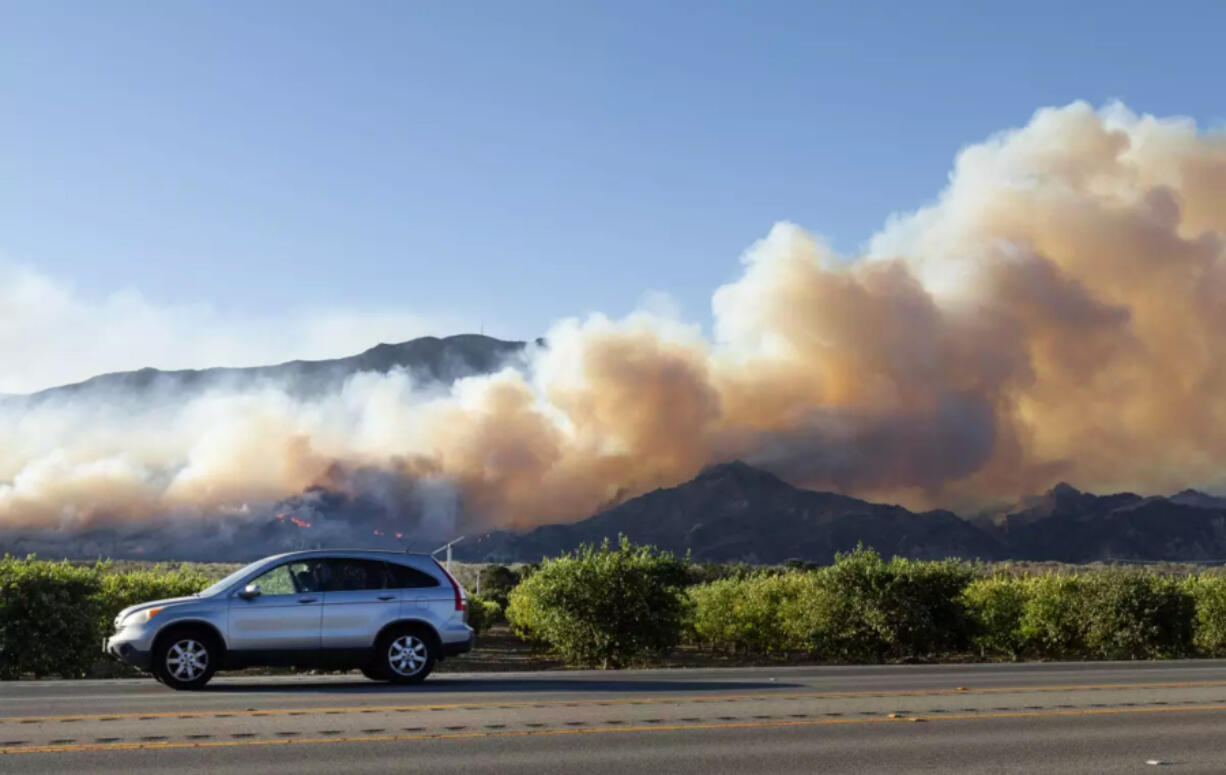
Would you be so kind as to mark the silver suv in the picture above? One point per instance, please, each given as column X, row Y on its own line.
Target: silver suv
column 391, row 615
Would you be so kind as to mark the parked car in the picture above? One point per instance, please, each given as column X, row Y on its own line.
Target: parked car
column 391, row 615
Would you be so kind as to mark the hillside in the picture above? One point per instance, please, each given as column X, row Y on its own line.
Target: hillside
column 736, row 512
column 1068, row 525
column 729, row 512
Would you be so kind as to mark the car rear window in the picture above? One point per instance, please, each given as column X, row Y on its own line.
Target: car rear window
column 404, row 577
column 348, row 575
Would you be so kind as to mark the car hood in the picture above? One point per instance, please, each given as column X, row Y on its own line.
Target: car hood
column 153, row 604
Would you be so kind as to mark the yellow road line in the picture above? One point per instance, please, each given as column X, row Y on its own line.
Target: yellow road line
column 96, row 747
column 195, row 714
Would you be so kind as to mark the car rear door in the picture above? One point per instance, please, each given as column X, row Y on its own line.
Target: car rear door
column 358, row 602
column 283, row 621
column 422, row 594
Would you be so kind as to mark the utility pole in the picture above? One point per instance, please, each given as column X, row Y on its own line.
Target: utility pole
column 447, row 546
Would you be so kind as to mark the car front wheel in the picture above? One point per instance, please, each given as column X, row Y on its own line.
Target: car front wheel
column 185, row 659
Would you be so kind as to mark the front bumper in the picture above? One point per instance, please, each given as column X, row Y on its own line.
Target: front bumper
column 128, row 652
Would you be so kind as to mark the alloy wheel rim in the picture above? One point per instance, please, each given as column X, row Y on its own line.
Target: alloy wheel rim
column 187, row 660
column 407, row 655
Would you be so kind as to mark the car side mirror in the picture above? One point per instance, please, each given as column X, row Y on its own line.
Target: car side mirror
column 250, row 591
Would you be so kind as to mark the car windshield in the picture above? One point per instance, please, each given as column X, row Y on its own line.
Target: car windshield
column 228, row 580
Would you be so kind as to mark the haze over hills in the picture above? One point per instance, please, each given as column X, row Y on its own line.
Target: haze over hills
column 729, row 512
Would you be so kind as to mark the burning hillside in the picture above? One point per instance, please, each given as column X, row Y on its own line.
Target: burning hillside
column 1055, row 314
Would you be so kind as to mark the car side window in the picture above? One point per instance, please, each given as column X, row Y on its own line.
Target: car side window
column 292, row 578
column 277, row 581
column 309, row 575
column 349, row 575
column 404, row 577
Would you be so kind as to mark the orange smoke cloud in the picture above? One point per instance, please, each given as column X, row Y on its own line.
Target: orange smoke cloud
column 1055, row 314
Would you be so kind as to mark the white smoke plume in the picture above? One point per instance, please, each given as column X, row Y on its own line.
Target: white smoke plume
column 1057, row 313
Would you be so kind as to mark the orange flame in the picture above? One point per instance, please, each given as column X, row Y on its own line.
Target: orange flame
column 293, row 519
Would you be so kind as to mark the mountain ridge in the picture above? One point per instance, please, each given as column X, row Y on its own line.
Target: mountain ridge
column 430, row 358
column 734, row 512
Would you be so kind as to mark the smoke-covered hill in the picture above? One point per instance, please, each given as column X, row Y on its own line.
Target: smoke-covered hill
column 729, row 512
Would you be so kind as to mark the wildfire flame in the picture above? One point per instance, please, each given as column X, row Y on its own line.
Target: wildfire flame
column 293, row 520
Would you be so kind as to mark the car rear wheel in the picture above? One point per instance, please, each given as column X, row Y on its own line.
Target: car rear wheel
column 406, row 656
column 186, row 658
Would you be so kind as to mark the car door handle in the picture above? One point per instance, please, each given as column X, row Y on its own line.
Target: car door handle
column 308, row 599
column 387, row 597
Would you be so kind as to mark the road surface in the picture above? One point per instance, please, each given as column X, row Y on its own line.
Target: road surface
column 1067, row 718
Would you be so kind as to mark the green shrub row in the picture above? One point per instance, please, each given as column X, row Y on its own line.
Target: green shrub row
column 54, row 615
column 861, row 609
column 616, row 605
column 865, row 609
column 1109, row 614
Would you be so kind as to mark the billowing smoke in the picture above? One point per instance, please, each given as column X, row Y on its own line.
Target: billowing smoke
column 1058, row 313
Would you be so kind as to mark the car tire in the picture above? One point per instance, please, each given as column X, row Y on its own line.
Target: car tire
column 186, row 658
column 406, row 655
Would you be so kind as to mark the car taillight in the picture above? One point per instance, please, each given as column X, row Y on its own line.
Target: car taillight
column 460, row 604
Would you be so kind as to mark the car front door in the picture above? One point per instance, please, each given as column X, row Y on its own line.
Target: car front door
column 282, row 622
column 357, row 604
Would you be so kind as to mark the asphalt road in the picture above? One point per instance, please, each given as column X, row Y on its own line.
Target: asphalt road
column 1068, row 718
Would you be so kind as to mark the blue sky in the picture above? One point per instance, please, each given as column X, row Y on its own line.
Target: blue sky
column 517, row 162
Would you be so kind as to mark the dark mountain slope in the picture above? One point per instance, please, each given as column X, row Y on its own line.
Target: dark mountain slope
column 736, row 512
column 1068, row 525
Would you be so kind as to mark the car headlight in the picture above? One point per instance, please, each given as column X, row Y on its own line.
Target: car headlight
column 139, row 617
